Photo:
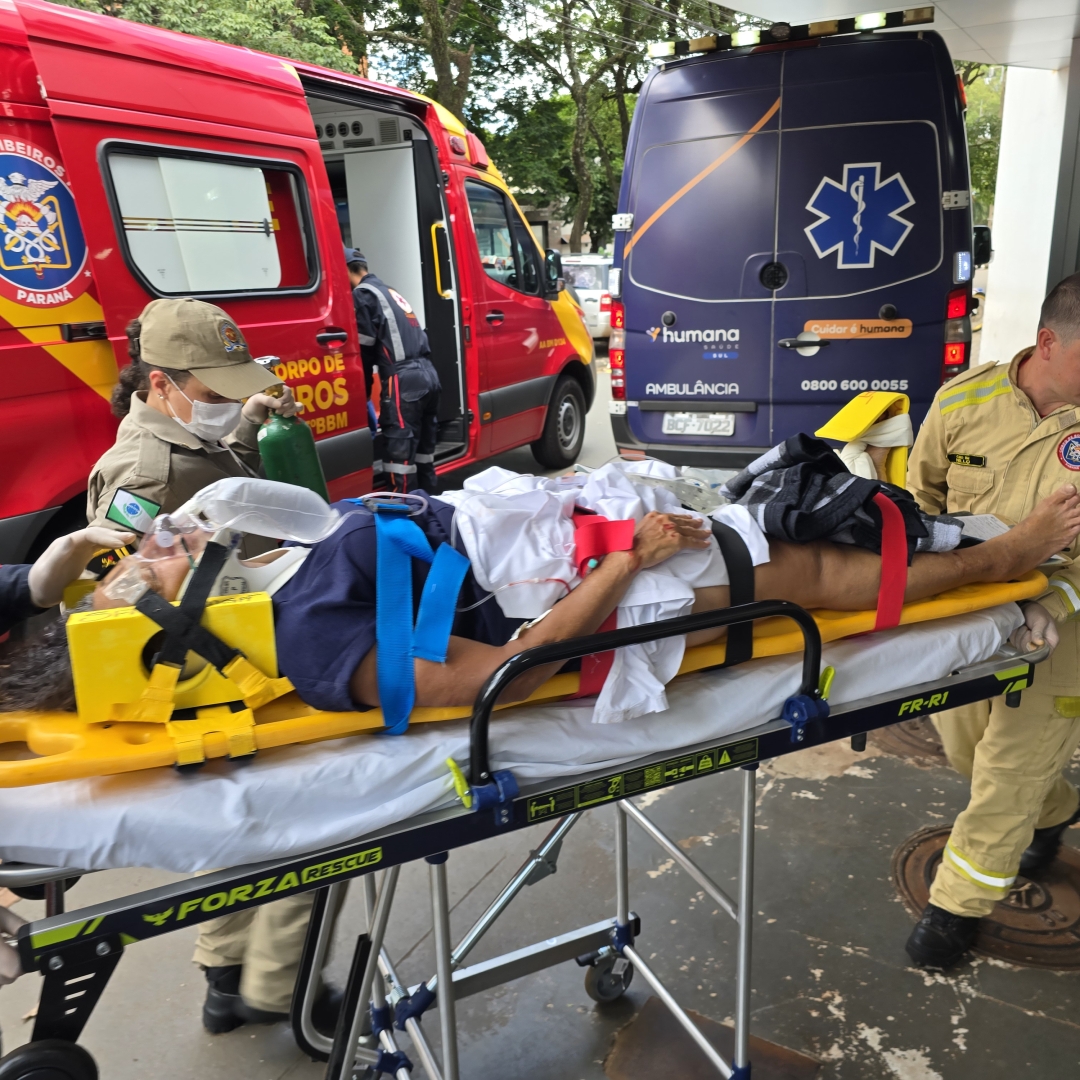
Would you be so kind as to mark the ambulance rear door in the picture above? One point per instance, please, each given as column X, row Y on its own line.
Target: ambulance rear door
column 871, row 152
column 702, row 174
column 197, row 173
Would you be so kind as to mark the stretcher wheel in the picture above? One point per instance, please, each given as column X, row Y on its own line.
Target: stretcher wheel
column 606, row 980
column 48, row 1059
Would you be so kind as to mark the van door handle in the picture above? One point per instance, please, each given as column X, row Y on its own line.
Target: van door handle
column 803, row 343
column 332, row 333
column 495, row 317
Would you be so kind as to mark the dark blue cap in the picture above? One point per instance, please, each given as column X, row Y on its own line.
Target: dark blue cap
column 355, row 255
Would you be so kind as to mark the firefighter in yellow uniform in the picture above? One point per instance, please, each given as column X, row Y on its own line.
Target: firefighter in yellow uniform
column 997, row 440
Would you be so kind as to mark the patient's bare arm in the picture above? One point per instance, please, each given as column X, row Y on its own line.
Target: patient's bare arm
column 815, row 575
column 469, row 664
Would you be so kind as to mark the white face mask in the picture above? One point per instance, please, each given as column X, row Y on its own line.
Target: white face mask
column 208, row 422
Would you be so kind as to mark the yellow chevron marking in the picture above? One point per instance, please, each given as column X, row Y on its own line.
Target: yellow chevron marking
column 91, row 361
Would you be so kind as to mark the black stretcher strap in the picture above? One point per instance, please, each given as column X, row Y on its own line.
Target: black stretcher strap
column 184, row 635
column 740, row 568
column 191, row 606
column 183, row 632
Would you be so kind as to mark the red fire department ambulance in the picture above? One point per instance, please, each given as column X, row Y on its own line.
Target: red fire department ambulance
column 137, row 163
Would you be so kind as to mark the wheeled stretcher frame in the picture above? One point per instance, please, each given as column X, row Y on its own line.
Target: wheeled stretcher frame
column 78, row 951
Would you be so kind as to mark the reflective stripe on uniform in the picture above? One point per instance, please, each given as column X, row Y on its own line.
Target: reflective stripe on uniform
column 1067, row 591
column 391, row 320
column 394, row 467
column 975, row 393
column 366, row 340
column 423, row 459
column 377, row 466
column 974, row 873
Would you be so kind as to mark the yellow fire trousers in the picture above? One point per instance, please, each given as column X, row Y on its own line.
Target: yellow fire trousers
column 1013, row 758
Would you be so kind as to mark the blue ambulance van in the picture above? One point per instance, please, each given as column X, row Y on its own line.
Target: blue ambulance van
column 794, row 227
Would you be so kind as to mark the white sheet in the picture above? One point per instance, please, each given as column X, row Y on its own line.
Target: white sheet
column 297, row 799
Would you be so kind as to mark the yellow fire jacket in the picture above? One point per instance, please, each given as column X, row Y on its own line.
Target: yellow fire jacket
column 984, row 449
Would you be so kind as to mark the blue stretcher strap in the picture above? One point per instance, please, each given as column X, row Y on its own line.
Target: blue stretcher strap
column 438, row 602
column 399, row 540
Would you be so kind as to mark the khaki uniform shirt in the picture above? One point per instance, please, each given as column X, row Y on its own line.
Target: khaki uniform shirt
column 155, row 458
column 984, row 449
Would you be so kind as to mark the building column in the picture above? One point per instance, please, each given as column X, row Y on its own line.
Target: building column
column 1027, row 187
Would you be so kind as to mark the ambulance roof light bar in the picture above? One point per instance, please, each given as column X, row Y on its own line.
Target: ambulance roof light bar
column 783, row 32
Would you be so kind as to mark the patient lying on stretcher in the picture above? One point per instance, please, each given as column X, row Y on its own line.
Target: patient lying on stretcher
column 524, row 591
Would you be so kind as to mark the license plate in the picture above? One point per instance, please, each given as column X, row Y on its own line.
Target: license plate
column 699, row 423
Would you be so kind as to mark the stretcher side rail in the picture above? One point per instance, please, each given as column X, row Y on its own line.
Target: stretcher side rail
column 90, row 939
column 561, row 651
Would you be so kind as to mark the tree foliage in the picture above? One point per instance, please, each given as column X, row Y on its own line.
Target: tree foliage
column 549, row 84
column 985, row 88
column 275, row 26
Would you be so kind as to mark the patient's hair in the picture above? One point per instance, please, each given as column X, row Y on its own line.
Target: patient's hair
column 1061, row 309
column 136, row 376
column 35, row 674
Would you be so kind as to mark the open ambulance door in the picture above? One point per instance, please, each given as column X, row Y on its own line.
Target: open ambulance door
column 383, row 171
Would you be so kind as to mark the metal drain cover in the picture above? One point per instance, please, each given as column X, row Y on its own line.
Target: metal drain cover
column 1036, row 925
column 916, row 740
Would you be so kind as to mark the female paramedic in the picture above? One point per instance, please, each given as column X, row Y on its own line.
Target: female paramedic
column 182, row 422
column 183, row 427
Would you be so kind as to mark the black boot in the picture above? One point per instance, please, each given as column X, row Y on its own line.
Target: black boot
column 1044, row 847
column 222, row 997
column 940, row 938
column 324, row 1013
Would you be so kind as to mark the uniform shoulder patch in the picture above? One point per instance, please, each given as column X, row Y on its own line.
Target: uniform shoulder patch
column 1068, row 451
column 400, row 301
column 134, row 512
column 975, row 461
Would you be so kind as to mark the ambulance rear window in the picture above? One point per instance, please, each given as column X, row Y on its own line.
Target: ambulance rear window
column 201, row 224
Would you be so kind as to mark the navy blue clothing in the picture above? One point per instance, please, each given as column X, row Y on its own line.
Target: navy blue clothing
column 378, row 348
column 15, row 602
column 325, row 616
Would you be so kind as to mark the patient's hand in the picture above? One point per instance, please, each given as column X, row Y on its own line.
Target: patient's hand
column 1039, row 628
column 659, row 536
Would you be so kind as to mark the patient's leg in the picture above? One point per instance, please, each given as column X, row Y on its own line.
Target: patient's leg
column 845, row 578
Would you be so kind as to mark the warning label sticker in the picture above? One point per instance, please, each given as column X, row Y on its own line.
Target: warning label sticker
column 634, row 781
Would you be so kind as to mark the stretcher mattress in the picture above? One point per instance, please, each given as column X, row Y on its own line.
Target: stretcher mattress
column 300, row 798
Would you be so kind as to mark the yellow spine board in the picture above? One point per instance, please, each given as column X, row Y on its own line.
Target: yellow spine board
column 69, row 747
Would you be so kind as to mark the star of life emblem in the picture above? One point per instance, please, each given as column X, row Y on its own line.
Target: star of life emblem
column 42, row 248
column 859, row 216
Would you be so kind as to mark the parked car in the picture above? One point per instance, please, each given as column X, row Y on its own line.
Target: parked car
column 588, row 274
column 137, row 163
column 794, row 227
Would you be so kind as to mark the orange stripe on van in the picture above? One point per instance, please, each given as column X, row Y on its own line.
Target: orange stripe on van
column 656, row 214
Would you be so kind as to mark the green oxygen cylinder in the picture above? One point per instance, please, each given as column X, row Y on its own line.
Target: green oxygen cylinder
column 288, row 453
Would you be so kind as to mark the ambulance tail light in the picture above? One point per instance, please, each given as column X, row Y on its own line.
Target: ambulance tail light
column 957, row 304
column 955, row 355
column 617, row 351
column 957, row 349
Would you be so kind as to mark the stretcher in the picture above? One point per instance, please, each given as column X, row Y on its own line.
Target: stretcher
column 96, row 742
column 947, row 663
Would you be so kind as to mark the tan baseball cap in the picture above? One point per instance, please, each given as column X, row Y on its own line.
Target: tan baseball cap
column 190, row 335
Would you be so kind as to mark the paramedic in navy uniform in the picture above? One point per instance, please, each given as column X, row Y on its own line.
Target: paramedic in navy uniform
column 29, row 589
column 393, row 341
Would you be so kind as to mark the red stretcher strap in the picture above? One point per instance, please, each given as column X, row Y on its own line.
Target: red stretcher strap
column 594, row 537
column 894, row 564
